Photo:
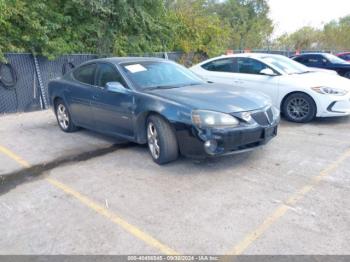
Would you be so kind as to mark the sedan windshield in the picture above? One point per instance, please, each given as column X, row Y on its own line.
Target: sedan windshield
column 334, row 59
column 286, row 65
column 159, row 75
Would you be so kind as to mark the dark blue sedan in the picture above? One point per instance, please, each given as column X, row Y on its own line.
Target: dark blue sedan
column 156, row 101
column 325, row 61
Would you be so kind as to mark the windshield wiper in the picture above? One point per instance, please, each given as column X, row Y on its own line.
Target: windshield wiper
column 303, row 72
column 169, row 87
column 159, row 87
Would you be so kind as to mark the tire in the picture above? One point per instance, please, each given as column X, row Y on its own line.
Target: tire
column 161, row 139
column 299, row 108
column 63, row 117
column 347, row 74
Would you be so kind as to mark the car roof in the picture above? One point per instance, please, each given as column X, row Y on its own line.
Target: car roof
column 249, row 55
column 254, row 55
column 312, row 53
column 119, row 60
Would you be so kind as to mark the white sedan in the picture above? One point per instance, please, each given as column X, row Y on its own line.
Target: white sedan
column 300, row 93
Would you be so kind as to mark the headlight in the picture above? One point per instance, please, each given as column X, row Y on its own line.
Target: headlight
column 204, row 118
column 329, row 90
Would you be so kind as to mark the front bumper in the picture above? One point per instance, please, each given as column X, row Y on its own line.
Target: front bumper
column 334, row 106
column 192, row 141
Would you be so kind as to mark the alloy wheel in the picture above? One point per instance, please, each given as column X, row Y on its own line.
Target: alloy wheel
column 153, row 140
column 298, row 108
column 62, row 116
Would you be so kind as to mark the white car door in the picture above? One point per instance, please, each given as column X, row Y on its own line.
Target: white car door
column 220, row 71
column 250, row 76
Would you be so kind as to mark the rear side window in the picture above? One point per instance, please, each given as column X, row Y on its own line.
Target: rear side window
column 85, row 74
column 108, row 73
column 222, row 65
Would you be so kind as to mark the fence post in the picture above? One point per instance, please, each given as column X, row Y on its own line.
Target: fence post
column 40, row 81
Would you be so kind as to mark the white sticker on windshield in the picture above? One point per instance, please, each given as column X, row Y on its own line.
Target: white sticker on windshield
column 135, row 68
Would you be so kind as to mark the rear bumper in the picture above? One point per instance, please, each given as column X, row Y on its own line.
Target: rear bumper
column 227, row 141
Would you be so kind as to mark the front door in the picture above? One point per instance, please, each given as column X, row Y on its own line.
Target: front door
column 113, row 111
column 250, row 77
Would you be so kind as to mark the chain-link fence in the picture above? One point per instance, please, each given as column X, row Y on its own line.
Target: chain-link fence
column 24, row 79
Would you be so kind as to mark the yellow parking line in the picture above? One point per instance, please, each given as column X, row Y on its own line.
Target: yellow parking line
column 15, row 157
column 113, row 217
column 100, row 209
column 283, row 208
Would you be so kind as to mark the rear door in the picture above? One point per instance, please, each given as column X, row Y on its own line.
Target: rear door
column 113, row 111
column 80, row 95
column 221, row 71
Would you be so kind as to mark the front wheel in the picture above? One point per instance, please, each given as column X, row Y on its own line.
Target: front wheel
column 161, row 139
column 299, row 107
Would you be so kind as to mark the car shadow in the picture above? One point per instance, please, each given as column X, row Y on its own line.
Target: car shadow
column 331, row 120
column 318, row 121
column 100, row 136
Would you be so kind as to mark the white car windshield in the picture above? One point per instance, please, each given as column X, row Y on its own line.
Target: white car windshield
column 286, row 65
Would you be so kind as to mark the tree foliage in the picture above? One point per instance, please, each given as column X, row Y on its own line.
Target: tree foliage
column 334, row 35
column 304, row 38
column 250, row 26
column 195, row 28
column 121, row 27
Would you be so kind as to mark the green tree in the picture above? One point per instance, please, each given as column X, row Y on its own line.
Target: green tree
column 336, row 34
column 58, row 27
column 305, row 38
column 121, row 27
column 248, row 20
column 195, row 28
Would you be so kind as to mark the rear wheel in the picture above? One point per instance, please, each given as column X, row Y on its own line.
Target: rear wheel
column 63, row 117
column 161, row 139
column 299, row 107
column 347, row 75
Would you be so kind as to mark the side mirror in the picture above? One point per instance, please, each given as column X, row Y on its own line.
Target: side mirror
column 268, row 72
column 115, row 87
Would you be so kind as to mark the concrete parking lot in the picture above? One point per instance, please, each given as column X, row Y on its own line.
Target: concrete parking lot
column 84, row 193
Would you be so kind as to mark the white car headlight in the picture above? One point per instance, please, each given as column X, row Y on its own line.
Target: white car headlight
column 204, row 118
column 329, row 90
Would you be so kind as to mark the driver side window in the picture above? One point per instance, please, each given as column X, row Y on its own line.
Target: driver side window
column 250, row 66
column 108, row 73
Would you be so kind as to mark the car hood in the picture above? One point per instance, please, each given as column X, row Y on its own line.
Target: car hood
column 215, row 97
column 342, row 65
column 314, row 79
